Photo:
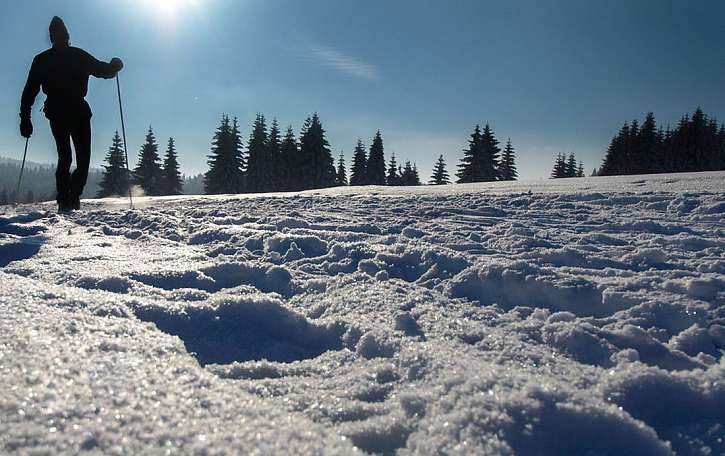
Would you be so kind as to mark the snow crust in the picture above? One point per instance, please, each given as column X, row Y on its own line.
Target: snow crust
column 577, row 316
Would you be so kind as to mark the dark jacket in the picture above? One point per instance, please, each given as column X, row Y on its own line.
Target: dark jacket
column 63, row 74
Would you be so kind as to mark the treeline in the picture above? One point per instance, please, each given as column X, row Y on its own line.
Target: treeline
column 696, row 144
column 272, row 160
column 276, row 161
column 567, row 167
column 38, row 182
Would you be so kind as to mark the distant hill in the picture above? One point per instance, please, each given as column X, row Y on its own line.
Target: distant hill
column 39, row 181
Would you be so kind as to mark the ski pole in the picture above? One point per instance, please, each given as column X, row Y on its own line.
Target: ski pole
column 125, row 147
column 22, row 168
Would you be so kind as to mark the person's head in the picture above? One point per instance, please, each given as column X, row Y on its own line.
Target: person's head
column 59, row 35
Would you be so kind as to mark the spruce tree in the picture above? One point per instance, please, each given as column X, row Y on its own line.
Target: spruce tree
column 571, row 168
column 257, row 175
column 490, row 155
column 226, row 162
column 274, row 158
column 115, row 174
column 416, row 176
column 148, row 174
column 580, row 171
column 359, row 165
column 470, row 169
column 288, row 169
column 407, row 177
column 393, row 177
column 173, row 184
column 341, row 174
column 440, row 174
column 508, row 163
column 560, row 168
column 375, row 170
column 318, row 167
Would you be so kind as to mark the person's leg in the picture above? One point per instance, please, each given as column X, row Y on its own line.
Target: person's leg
column 81, row 134
column 61, row 134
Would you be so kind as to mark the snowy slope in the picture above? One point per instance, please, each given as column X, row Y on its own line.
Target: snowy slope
column 542, row 317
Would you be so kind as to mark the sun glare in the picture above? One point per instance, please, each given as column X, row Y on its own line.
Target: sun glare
column 170, row 10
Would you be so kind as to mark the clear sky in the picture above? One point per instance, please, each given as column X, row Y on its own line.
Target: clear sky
column 554, row 76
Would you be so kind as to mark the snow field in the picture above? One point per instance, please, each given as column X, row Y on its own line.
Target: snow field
column 527, row 318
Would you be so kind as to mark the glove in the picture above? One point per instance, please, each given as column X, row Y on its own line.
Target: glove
column 117, row 64
column 26, row 127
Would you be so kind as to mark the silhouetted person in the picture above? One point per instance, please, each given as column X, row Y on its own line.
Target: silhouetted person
column 62, row 71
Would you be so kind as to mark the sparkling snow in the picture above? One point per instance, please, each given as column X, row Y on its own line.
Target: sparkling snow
column 543, row 317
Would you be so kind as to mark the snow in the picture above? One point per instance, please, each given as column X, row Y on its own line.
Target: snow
column 542, row 317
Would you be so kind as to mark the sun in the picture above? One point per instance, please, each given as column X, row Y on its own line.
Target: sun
column 170, row 9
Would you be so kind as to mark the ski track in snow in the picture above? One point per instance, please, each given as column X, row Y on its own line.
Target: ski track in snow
column 547, row 317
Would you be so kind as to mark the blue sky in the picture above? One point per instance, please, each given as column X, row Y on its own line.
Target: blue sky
column 554, row 76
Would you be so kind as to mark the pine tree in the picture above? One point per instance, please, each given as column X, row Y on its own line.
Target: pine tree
column 226, row 162
column 560, row 169
column 508, row 163
column 173, row 184
column 318, row 167
column 440, row 174
column 393, row 177
column 115, row 174
column 148, row 174
column 257, row 175
column 416, row 176
column 359, row 165
column 580, row 171
column 571, row 167
column 407, row 177
column 470, row 169
column 489, row 157
column 375, row 170
column 341, row 174
column 644, row 157
column 274, row 157
column 290, row 156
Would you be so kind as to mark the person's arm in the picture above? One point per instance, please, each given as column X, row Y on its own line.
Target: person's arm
column 31, row 90
column 105, row 70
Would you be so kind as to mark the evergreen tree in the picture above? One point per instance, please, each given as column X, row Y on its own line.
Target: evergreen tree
column 440, row 174
column 257, row 173
column 148, row 174
column 508, row 163
column 173, row 184
column 393, row 177
column 407, row 177
column 416, row 176
column 226, row 162
column 115, row 174
column 375, row 170
column 290, row 156
column 571, row 167
column 274, row 157
column 560, row 169
column 341, row 174
column 318, row 167
column 490, row 155
column 580, row 171
column 359, row 165
column 470, row 169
